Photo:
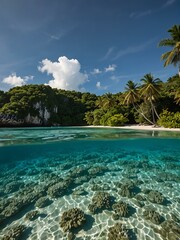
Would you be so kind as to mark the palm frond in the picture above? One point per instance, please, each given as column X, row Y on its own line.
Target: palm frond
column 167, row 42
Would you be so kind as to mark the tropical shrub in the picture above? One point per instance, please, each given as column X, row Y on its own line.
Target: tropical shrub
column 169, row 119
column 117, row 120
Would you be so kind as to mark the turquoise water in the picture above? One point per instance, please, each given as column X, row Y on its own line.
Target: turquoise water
column 47, row 171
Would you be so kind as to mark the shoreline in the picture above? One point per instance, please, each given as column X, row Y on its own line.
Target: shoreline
column 139, row 127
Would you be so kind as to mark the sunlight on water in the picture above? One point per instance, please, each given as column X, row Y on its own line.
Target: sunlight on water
column 112, row 176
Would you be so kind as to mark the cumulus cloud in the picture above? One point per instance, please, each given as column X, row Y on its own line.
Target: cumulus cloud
column 66, row 73
column 110, row 68
column 96, row 71
column 99, row 86
column 14, row 80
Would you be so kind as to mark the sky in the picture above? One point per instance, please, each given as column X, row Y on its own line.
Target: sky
column 84, row 45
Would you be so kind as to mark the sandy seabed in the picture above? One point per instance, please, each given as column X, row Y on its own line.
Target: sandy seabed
column 140, row 177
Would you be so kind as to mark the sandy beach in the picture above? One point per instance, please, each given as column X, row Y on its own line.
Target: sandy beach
column 141, row 127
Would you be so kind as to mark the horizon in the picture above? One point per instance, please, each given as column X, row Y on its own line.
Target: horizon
column 91, row 47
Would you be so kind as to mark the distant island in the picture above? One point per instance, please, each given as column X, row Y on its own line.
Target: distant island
column 151, row 102
column 40, row 105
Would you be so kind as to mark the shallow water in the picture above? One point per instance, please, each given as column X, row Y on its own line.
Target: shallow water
column 65, row 168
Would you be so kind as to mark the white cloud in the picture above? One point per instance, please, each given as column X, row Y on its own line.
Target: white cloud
column 96, row 71
column 99, row 86
column 110, row 68
column 168, row 3
column 14, row 80
column 108, row 53
column 133, row 49
column 66, row 73
column 140, row 14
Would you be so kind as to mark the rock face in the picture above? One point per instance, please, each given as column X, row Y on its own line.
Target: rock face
column 71, row 219
column 42, row 117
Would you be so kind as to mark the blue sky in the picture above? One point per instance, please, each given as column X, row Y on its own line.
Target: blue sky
column 86, row 45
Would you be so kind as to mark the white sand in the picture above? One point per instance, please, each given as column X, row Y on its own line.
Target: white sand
column 141, row 127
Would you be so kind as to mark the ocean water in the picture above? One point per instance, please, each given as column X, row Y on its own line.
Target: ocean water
column 89, row 183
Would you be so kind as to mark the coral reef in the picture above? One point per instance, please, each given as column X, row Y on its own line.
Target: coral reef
column 98, row 170
column 31, row 215
column 13, row 187
column 57, row 190
column 152, row 215
column 42, row 202
column 156, row 197
column 19, row 201
column 118, row 232
column 71, row 219
column 140, row 197
column 169, row 230
column 100, row 201
column 121, row 209
column 128, row 189
column 14, row 233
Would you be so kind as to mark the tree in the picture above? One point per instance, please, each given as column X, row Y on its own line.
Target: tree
column 150, row 91
column 132, row 97
column 177, row 96
column 173, row 56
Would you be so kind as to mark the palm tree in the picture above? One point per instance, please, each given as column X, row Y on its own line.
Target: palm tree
column 106, row 101
column 109, row 100
column 132, row 97
column 173, row 56
column 177, row 96
column 150, row 91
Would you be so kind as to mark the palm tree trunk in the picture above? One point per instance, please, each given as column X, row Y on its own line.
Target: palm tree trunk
column 153, row 111
column 156, row 112
column 142, row 114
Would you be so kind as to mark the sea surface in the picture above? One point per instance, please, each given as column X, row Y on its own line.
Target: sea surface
column 89, row 183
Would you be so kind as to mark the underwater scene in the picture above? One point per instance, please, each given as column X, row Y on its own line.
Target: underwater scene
column 77, row 183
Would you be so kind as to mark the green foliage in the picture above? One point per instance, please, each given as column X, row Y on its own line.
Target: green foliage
column 98, row 113
column 89, row 117
column 64, row 107
column 117, row 120
column 169, row 119
column 76, row 108
column 173, row 56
